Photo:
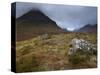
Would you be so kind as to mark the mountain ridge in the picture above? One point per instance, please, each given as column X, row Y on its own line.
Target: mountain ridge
column 35, row 22
column 87, row 28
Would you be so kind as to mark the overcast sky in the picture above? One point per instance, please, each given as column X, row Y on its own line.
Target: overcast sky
column 66, row 16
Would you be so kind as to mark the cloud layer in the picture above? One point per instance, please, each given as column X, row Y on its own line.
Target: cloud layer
column 66, row 16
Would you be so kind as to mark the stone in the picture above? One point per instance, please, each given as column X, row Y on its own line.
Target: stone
column 82, row 45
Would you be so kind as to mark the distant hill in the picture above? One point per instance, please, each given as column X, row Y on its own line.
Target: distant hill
column 35, row 22
column 88, row 28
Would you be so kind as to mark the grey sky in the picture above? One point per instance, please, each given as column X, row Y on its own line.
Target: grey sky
column 66, row 16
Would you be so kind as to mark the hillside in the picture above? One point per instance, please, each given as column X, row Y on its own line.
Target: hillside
column 88, row 28
column 33, row 23
column 50, row 53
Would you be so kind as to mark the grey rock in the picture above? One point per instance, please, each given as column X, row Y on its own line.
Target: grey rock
column 82, row 45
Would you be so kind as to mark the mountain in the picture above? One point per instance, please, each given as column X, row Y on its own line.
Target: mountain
column 33, row 23
column 88, row 28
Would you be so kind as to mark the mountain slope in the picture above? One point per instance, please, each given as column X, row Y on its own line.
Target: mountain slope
column 35, row 22
column 88, row 28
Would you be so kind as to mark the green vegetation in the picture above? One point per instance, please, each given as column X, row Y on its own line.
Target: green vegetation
column 49, row 52
column 80, row 57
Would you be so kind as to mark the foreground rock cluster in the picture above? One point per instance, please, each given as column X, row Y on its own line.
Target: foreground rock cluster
column 82, row 51
column 83, row 45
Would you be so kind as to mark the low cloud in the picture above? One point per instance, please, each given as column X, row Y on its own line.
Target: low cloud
column 66, row 16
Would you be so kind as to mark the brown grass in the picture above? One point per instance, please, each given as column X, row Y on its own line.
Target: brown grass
column 49, row 54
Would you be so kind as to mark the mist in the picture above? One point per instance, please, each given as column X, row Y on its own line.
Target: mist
column 69, row 17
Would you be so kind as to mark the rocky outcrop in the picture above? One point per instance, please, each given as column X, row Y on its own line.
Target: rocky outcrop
column 83, row 45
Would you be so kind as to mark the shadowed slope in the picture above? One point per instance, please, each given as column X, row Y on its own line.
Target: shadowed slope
column 33, row 23
column 88, row 28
